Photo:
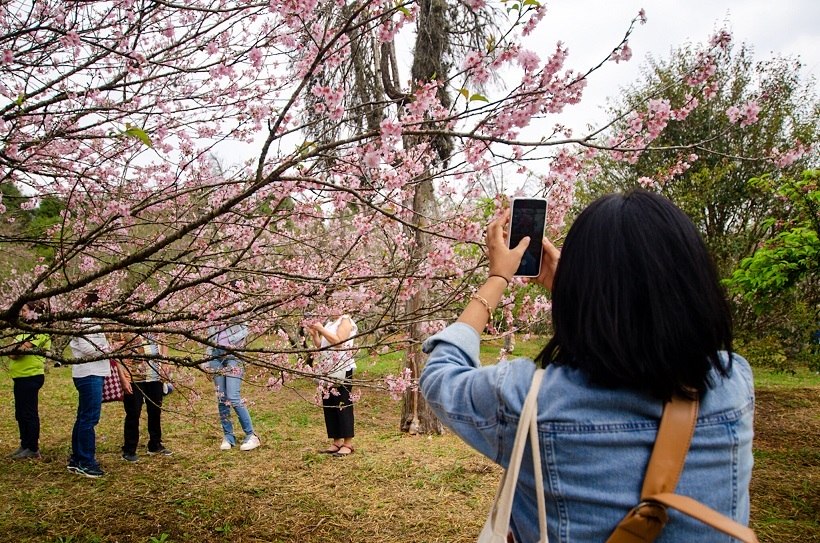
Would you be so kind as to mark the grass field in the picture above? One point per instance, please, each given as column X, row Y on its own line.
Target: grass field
column 394, row 488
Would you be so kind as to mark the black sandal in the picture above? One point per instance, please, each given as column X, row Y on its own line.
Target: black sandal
column 329, row 450
column 339, row 453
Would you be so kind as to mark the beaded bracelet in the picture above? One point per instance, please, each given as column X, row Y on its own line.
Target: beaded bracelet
column 479, row 298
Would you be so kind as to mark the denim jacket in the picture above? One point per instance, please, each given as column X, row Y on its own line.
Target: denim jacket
column 230, row 335
column 595, row 442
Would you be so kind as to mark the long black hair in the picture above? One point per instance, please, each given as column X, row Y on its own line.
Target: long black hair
column 636, row 300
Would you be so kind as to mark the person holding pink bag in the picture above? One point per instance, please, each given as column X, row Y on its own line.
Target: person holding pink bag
column 89, row 343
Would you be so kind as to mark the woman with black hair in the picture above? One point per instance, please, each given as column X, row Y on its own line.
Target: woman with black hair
column 638, row 316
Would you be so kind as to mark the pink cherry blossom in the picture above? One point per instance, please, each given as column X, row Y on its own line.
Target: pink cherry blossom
column 623, row 53
column 790, row 156
column 326, row 207
column 534, row 19
column 372, row 159
column 647, row 182
column 528, row 60
column 255, row 56
column 398, row 385
column 745, row 114
column 750, row 111
column 391, row 131
column 722, row 39
column 71, row 39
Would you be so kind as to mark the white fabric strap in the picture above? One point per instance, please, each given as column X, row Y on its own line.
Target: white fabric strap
column 498, row 520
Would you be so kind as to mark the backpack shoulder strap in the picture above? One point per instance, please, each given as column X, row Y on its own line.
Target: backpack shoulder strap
column 646, row 520
column 707, row 515
column 675, row 432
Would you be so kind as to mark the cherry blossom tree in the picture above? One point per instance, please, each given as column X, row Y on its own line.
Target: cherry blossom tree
column 752, row 118
column 369, row 197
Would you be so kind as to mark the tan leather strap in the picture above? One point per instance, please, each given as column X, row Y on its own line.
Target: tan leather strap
column 647, row 519
column 675, row 432
column 706, row 515
column 642, row 524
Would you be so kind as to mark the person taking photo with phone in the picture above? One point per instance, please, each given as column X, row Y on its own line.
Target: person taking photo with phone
column 638, row 316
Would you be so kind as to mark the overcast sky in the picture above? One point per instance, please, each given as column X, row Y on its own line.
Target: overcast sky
column 590, row 28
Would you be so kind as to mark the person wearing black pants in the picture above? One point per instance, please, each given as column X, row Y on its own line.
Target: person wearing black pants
column 337, row 360
column 26, row 368
column 150, row 394
column 338, row 411
column 27, row 413
column 146, row 373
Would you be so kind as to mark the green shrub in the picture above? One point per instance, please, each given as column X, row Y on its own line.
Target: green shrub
column 767, row 352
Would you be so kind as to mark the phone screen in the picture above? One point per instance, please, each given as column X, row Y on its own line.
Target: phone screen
column 528, row 218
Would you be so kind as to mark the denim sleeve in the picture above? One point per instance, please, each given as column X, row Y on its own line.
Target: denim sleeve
column 462, row 394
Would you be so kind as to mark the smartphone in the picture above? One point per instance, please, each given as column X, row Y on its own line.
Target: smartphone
column 528, row 218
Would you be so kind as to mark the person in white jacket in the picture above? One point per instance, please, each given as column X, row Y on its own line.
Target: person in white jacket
column 91, row 344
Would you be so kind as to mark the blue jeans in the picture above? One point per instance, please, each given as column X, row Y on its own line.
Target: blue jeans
column 83, row 438
column 228, row 381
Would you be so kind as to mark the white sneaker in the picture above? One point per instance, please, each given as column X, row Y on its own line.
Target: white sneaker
column 251, row 442
column 225, row 445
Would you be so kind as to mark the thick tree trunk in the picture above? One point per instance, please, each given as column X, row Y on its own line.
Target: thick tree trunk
column 428, row 64
column 417, row 418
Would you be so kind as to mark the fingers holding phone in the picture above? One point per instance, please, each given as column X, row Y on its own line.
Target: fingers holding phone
column 549, row 263
column 504, row 261
column 517, row 246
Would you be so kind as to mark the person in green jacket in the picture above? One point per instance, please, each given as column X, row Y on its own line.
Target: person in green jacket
column 27, row 372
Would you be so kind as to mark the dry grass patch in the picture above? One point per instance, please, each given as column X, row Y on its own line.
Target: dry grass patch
column 786, row 479
column 393, row 488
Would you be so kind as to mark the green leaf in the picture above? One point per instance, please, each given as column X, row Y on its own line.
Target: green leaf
column 765, row 224
column 138, row 133
column 20, row 99
column 535, row 3
column 404, row 10
column 478, row 98
column 464, row 92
